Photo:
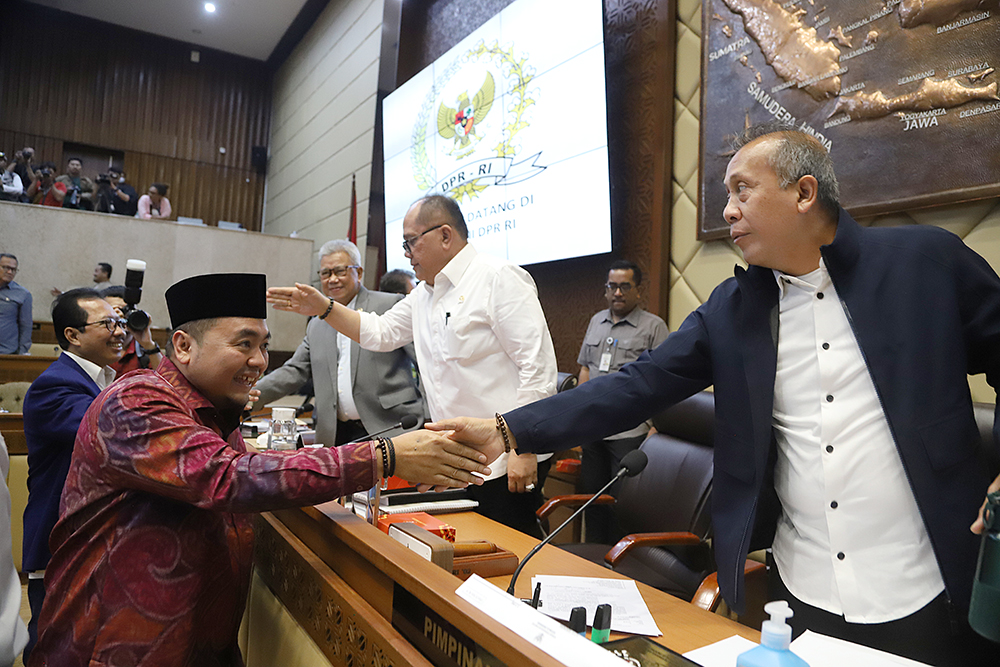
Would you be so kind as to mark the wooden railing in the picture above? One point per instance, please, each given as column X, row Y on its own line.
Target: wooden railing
column 22, row 367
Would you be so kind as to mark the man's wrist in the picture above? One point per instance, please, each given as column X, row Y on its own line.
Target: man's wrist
column 509, row 443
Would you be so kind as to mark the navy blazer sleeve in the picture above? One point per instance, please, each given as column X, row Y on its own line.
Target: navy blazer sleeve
column 678, row 368
column 53, row 408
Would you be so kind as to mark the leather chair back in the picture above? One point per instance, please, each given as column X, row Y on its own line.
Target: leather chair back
column 565, row 381
column 692, row 419
column 672, row 493
column 12, row 395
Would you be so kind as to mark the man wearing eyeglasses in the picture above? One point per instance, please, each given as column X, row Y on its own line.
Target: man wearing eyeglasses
column 357, row 391
column 15, row 310
column 615, row 337
column 92, row 337
column 480, row 337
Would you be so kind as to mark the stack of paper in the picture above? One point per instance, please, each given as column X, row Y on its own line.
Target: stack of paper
column 629, row 612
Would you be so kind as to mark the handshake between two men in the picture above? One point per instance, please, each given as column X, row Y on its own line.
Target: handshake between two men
column 452, row 453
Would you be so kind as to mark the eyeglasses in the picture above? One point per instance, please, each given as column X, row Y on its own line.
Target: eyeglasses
column 614, row 287
column 12, row 269
column 110, row 324
column 408, row 243
column 339, row 271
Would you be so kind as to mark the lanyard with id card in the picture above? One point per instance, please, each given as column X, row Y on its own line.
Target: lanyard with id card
column 610, row 345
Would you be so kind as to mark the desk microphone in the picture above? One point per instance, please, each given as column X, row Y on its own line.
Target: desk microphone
column 406, row 423
column 632, row 464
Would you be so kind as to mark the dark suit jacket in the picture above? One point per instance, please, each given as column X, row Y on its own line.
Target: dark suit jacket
column 53, row 408
column 925, row 310
column 383, row 386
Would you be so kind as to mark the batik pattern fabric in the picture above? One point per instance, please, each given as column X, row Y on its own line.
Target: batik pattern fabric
column 153, row 550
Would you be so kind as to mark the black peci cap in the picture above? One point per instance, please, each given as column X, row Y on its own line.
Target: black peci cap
column 217, row 295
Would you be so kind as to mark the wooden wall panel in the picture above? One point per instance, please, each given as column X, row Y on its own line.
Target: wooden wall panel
column 69, row 78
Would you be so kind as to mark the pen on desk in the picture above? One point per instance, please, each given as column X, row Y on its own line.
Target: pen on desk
column 602, row 624
column 578, row 621
column 536, row 598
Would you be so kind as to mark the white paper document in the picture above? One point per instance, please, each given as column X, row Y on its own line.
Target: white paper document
column 822, row 651
column 629, row 612
column 721, row 653
column 550, row 636
column 816, row 649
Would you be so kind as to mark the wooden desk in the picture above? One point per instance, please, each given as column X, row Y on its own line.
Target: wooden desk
column 684, row 626
column 347, row 585
column 12, row 427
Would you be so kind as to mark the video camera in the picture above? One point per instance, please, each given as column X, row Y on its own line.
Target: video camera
column 103, row 179
column 135, row 271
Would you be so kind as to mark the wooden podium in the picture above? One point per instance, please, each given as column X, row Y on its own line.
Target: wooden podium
column 365, row 600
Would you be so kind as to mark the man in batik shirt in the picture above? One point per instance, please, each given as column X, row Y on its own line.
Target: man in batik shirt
column 153, row 548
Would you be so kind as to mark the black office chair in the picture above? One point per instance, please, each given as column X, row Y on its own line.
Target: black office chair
column 565, row 381
column 665, row 509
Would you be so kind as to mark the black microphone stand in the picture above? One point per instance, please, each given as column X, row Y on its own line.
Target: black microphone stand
column 406, row 423
column 630, row 467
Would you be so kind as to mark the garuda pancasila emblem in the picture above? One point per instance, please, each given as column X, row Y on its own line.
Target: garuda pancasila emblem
column 459, row 124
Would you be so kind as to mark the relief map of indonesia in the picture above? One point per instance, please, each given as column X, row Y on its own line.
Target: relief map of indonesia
column 903, row 93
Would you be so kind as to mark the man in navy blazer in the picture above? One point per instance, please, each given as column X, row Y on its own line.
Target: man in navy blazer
column 92, row 336
column 844, row 431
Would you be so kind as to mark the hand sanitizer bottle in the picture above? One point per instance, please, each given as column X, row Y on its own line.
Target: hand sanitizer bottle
column 775, row 637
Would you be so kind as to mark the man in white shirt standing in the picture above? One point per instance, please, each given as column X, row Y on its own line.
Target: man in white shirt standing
column 481, row 341
column 92, row 337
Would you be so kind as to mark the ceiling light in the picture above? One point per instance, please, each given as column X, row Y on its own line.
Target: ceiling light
column 209, row 7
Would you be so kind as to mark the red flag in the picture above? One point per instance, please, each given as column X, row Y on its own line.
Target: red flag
column 352, row 231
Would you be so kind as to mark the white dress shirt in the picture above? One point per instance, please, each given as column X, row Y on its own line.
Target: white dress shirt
column 346, row 407
column 480, row 337
column 102, row 375
column 850, row 539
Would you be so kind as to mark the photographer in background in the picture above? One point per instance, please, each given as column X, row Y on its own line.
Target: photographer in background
column 126, row 199
column 154, row 204
column 79, row 188
column 140, row 349
column 23, row 160
column 12, row 187
column 45, row 190
column 104, row 197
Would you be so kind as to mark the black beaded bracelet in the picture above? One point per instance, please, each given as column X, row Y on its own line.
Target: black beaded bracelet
column 502, row 427
column 385, row 457
column 387, row 446
column 392, row 457
column 329, row 308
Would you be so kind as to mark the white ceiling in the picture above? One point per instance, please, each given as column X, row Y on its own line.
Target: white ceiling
column 249, row 28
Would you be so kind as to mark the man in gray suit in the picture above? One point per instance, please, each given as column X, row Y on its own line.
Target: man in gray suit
column 357, row 391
